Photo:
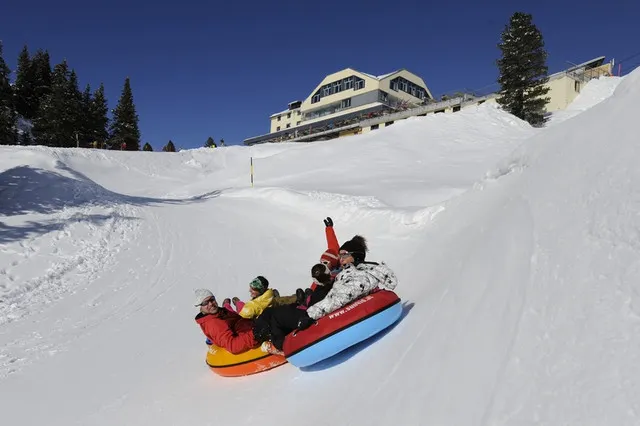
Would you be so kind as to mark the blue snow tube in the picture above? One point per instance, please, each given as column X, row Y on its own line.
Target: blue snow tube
column 342, row 329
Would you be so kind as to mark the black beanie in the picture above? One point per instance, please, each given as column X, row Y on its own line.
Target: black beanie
column 259, row 283
column 320, row 272
column 357, row 246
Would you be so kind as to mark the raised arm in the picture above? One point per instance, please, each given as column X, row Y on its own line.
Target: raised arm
column 332, row 241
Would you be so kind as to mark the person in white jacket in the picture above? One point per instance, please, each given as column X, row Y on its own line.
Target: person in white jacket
column 357, row 278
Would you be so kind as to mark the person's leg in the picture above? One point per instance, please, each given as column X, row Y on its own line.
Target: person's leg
column 283, row 322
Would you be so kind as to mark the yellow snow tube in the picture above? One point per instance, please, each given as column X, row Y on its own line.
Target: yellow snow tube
column 253, row 361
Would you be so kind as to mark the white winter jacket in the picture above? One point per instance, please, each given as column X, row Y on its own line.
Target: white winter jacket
column 352, row 283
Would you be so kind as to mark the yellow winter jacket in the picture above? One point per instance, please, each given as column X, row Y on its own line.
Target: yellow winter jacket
column 254, row 307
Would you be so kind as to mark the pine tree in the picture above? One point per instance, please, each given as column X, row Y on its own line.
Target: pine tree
column 210, row 143
column 169, row 147
column 523, row 70
column 99, row 120
column 55, row 124
column 73, row 100
column 222, row 142
column 124, row 128
column 24, row 90
column 147, row 147
column 41, row 72
column 7, row 109
column 86, row 125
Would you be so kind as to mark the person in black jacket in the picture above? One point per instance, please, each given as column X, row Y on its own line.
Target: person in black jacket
column 277, row 321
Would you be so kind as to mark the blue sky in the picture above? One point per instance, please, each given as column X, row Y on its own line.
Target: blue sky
column 202, row 69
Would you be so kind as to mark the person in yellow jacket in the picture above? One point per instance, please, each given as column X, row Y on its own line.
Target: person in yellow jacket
column 261, row 298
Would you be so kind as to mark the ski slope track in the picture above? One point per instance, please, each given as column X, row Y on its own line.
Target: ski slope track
column 517, row 252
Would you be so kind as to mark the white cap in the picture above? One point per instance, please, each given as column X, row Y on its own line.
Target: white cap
column 201, row 295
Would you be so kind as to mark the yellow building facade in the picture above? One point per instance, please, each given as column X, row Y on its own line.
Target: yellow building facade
column 565, row 86
column 350, row 91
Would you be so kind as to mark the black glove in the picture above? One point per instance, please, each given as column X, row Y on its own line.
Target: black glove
column 328, row 222
column 305, row 322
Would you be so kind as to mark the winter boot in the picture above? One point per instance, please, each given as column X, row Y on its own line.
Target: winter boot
column 300, row 296
column 270, row 349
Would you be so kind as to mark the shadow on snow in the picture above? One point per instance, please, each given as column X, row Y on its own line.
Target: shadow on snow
column 25, row 189
column 29, row 190
column 10, row 234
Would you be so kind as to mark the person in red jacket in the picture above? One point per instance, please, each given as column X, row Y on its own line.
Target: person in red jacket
column 225, row 328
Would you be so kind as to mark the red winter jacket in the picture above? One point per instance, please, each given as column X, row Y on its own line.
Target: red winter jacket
column 228, row 330
column 332, row 243
column 332, row 240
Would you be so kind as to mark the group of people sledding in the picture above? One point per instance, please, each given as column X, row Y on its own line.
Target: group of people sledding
column 341, row 277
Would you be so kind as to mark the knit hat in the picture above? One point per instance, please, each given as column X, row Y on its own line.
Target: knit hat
column 331, row 257
column 357, row 246
column 201, row 295
column 260, row 284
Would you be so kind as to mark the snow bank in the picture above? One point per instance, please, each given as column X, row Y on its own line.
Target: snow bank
column 544, row 281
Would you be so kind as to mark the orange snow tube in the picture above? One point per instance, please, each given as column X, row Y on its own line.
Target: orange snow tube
column 254, row 361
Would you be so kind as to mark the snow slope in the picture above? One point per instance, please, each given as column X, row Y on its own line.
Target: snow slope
column 516, row 251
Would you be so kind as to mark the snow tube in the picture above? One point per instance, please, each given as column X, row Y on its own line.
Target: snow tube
column 226, row 364
column 343, row 328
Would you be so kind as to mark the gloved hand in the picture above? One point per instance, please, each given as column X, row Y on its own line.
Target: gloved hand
column 305, row 322
column 328, row 222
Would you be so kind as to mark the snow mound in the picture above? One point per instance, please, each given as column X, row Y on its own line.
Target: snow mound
column 554, row 240
column 367, row 211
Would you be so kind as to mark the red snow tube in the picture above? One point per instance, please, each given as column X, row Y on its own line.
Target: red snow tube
column 339, row 320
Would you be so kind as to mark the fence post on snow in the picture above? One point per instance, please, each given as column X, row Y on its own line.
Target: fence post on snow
column 251, row 159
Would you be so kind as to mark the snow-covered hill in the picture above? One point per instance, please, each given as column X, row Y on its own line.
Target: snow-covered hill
column 516, row 251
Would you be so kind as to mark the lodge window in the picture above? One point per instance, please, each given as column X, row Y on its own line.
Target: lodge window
column 402, row 84
column 329, row 89
column 348, row 83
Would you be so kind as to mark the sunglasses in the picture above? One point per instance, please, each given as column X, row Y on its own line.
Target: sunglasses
column 343, row 255
column 209, row 300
